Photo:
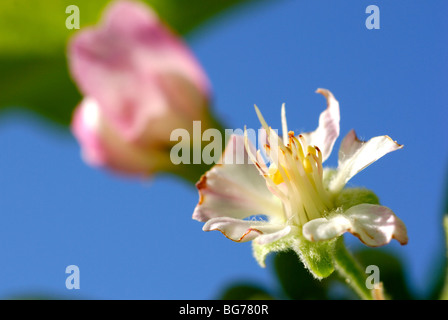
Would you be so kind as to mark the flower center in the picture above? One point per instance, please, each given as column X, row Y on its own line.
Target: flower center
column 297, row 177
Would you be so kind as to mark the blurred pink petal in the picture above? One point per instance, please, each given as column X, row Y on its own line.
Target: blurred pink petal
column 102, row 147
column 142, row 76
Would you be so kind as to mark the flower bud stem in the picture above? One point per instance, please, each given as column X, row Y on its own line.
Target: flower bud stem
column 351, row 271
column 191, row 172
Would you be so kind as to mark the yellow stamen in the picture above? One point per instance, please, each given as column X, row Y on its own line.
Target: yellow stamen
column 311, row 150
column 274, row 174
column 319, row 156
column 295, row 173
column 307, row 165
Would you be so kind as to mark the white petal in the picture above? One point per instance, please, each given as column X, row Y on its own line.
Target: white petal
column 274, row 236
column 247, row 230
column 355, row 155
column 374, row 225
column 322, row 229
column 327, row 132
column 284, row 126
column 235, row 229
column 234, row 189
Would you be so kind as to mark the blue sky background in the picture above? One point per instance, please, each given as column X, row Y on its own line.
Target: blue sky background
column 136, row 239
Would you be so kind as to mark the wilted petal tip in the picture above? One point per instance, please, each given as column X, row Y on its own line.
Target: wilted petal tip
column 326, row 93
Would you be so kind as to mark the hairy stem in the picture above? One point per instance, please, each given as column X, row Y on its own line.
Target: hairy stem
column 351, row 271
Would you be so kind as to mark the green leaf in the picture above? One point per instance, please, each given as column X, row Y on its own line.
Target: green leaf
column 244, row 291
column 392, row 272
column 351, row 271
column 38, row 84
column 296, row 281
column 33, row 38
column 350, row 197
column 444, row 294
column 316, row 256
column 262, row 251
column 438, row 282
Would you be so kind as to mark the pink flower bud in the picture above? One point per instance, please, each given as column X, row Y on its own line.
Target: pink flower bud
column 140, row 82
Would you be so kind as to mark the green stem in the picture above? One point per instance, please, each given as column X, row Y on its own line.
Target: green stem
column 444, row 294
column 191, row 172
column 351, row 271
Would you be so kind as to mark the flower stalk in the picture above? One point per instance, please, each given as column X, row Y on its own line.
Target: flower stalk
column 351, row 271
column 191, row 172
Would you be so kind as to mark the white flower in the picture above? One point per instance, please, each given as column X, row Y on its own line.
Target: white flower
column 292, row 195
